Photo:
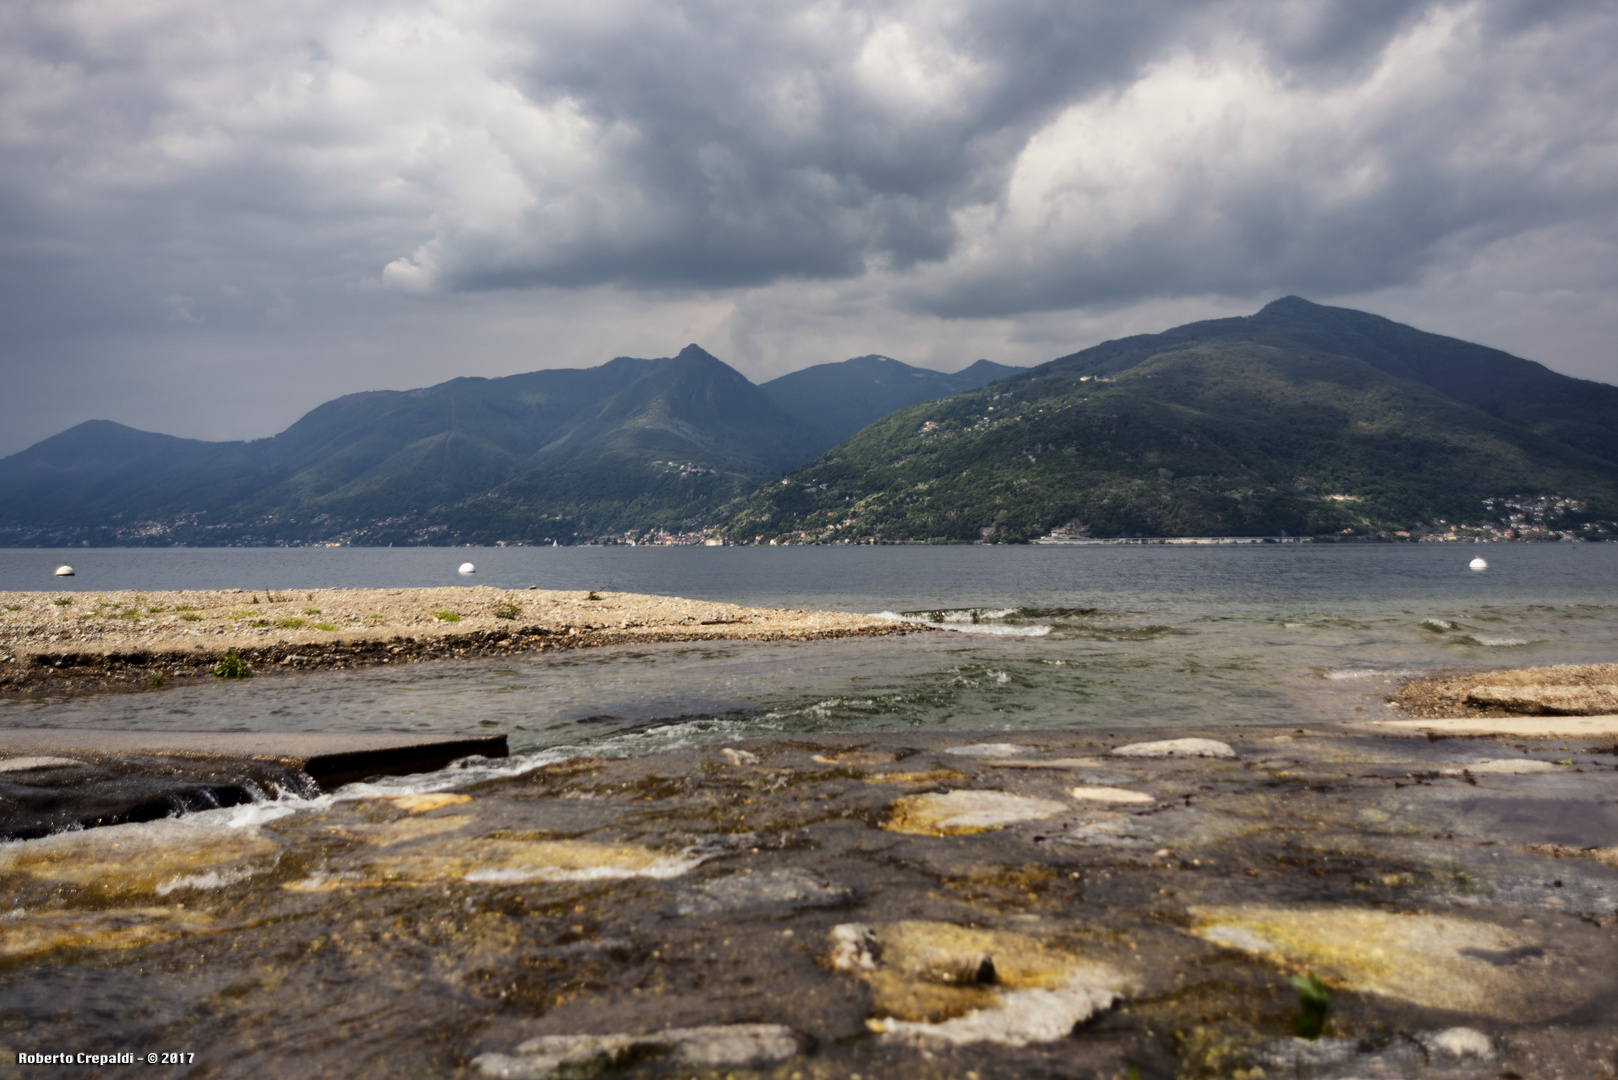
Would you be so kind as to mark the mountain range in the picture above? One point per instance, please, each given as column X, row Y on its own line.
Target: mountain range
column 555, row 455
column 1300, row 419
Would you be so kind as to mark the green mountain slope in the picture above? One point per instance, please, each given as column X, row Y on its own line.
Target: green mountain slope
column 839, row 399
column 632, row 444
column 1256, row 426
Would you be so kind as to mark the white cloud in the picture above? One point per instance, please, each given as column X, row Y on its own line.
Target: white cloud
column 336, row 190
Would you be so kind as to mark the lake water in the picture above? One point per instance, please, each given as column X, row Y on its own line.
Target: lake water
column 1108, row 637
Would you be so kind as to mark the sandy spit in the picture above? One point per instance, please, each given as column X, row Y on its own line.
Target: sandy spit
column 60, row 641
column 1562, row 690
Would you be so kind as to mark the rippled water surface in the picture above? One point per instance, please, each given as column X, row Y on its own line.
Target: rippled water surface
column 1035, row 638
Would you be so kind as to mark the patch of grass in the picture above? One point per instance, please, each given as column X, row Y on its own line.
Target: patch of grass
column 311, row 611
column 325, row 626
column 275, row 598
column 184, row 607
column 1313, row 1005
column 232, row 666
column 593, row 595
column 62, row 601
column 192, row 618
column 13, row 607
column 155, row 682
column 507, row 611
column 446, row 616
column 258, row 622
column 289, row 624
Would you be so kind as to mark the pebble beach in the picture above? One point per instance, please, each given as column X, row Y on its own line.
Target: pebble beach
column 52, row 639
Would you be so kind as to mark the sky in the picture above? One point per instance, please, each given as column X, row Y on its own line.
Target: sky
column 214, row 217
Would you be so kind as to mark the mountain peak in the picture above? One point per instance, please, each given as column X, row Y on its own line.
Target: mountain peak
column 1289, row 305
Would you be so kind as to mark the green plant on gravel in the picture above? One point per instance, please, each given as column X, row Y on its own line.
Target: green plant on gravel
column 311, row 611
column 446, row 616
column 593, row 595
column 507, row 610
column 290, row 624
column 192, row 618
column 62, row 601
column 1313, row 1005
column 232, row 666
column 13, row 607
column 258, row 622
column 325, row 626
column 155, row 682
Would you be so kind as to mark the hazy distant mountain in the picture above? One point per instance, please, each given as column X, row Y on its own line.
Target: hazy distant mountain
column 1301, row 419
column 546, row 455
column 839, row 399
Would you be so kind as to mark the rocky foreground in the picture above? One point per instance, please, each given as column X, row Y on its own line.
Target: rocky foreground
column 60, row 641
column 1068, row 904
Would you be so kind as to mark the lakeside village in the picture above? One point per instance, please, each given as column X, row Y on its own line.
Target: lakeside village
column 1520, row 518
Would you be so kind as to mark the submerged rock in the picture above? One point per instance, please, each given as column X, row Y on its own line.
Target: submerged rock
column 961, row 813
column 1507, row 766
column 988, row 750
column 1210, row 748
column 1436, row 961
column 794, row 887
column 1109, row 795
column 939, row 982
column 713, row 1046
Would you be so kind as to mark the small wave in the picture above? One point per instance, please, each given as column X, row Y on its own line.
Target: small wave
column 994, row 629
column 1439, row 625
column 1496, row 642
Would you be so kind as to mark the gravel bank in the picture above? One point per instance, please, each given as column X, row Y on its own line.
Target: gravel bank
column 60, row 641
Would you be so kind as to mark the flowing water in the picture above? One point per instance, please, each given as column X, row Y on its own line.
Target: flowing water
column 1036, row 638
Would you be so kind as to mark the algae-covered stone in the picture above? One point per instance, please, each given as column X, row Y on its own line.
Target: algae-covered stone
column 934, row 981
column 1436, row 961
column 153, row 858
column 420, row 804
column 1176, row 748
column 43, row 932
column 958, row 813
column 512, row 861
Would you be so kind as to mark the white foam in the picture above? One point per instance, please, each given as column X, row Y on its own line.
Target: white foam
column 1496, row 642
column 994, row 629
column 660, row 869
column 1372, row 673
column 213, row 879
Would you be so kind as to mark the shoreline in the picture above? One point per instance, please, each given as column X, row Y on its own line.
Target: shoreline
column 126, row 638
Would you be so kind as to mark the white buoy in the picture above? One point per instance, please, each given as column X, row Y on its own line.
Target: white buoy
column 1478, row 564
column 468, row 568
column 64, row 571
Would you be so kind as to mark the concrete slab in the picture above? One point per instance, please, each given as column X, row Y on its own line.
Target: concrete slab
column 329, row 758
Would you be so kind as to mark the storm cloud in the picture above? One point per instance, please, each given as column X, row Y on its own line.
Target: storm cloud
column 214, row 216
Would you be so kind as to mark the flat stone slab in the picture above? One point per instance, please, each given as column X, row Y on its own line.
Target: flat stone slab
column 1177, row 748
column 1522, row 727
column 329, row 758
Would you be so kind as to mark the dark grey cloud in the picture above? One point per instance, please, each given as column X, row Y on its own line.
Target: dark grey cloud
column 232, row 212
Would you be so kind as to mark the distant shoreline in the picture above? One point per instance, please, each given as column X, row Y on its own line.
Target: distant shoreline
column 129, row 638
